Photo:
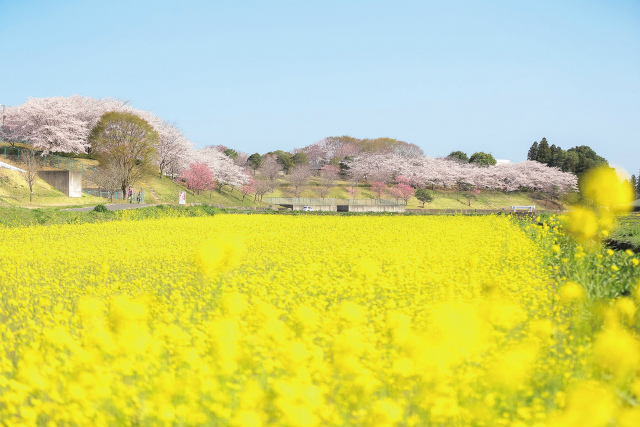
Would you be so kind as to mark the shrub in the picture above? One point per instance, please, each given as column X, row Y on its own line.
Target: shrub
column 101, row 208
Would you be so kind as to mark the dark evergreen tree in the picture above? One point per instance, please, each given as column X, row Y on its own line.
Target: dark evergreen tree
column 634, row 183
column 557, row 157
column 255, row 160
column 544, row 152
column 587, row 159
column 533, row 151
column 570, row 162
column 300, row 158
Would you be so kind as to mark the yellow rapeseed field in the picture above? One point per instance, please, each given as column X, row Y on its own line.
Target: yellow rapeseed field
column 257, row 320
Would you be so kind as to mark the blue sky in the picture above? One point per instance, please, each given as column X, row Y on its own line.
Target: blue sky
column 263, row 75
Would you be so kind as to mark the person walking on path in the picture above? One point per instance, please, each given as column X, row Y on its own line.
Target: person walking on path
column 130, row 195
column 139, row 196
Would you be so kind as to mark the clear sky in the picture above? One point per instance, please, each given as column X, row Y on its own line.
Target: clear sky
column 264, row 75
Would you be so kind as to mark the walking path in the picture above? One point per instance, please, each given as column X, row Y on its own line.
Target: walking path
column 113, row 207
column 152, row 191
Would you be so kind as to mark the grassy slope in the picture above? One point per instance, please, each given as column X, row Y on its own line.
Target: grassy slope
column 442, row 199
column 167, row 192
column 14, row 191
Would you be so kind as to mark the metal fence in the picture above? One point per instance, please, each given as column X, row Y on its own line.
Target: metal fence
column 117, row 195
column 48, row 160
column 375, row 202
column 300, row 201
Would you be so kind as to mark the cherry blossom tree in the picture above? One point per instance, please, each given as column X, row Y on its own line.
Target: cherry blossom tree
column 29, row 169
column 48, row 124
column 353, row 189
column 263, row 187
column 270, row 168
column 406, row 192
column 174, row 149
column 241, row 159
column 198, row 177
column 299, row 177
column 63, row 124
column 378, row 188
column 354, row 192
column 428, row 171
column 248, row 188
column 328, row 175
column 395, row 192
column 224, row 170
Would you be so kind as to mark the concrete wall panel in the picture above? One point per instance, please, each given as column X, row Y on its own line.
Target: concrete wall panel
column 70, row 183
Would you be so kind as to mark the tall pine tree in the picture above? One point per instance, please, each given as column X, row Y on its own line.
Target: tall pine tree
column 544, row 151
column 533, row 151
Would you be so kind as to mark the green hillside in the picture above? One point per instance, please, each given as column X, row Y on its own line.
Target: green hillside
column 165, row 190
column 443, row 199
column 14, row 191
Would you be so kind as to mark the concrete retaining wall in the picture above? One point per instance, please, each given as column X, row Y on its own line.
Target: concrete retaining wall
column 70, row 183
column 323, row 208
column 383, row 208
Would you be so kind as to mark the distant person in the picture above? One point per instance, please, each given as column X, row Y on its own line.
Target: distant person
column 130, row 195
column 139, row 197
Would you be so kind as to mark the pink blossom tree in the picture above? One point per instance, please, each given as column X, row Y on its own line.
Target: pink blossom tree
column 406, row 192
column 378, row 188
column 248, row 188
column 354, row 192
column 198, row 177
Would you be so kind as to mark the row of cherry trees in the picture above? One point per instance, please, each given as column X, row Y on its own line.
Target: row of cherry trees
column 428, row 171
column 63, row 124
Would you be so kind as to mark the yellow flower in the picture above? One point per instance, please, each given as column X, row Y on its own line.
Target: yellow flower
column 617, row 351
column 625, row 308
column 582, row 223
column 588, row 405
column 571, row 292
column 220, row 254
column 385, row 412
column 606, row 189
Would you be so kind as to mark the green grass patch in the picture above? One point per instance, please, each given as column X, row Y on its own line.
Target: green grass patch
column 22, row 217
column 628, row 230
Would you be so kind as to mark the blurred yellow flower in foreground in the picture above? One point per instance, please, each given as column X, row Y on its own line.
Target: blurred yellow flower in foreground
column 220, row 254
column 605, row 188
